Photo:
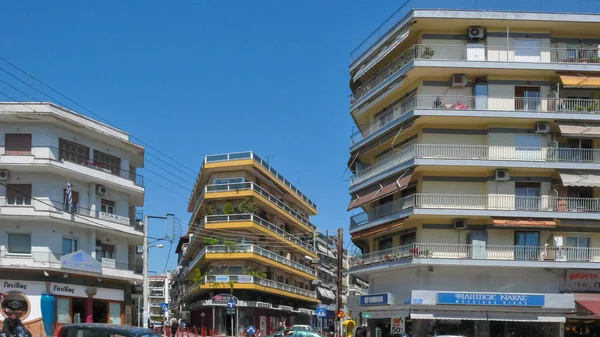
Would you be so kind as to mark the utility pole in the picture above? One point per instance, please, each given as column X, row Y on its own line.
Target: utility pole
column 340, row 265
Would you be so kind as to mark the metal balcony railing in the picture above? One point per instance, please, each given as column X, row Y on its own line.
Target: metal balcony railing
column 212, row 279
column 478, row 202
column 251, row 249
column 478, row 252
column 481, row 54
column 476, row 152
column 485, row 103
column 264, row 164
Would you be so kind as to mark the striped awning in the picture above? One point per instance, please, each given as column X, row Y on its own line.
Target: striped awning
column 580, row 81
column 542, row 223
column 391, row 188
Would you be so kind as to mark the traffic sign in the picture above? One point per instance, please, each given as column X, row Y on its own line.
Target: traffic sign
column 231, row 304
column 341, row 314
column 321, row 312
column 251, row 330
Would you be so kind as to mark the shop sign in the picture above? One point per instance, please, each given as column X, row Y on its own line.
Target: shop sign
column 493, row 299
column 305, row 311
column 80, row 260
column 221, row 278
column 398, row 326
column 582, row 280
column 285, row 308
column 245, row 279
column 375, row 299
column 263, row 305
column 222, row 299
column 109, row 263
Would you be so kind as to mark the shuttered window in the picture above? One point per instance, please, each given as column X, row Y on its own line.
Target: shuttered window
column 73, row 152
column 17, row 144
column 18, row 194
column 106, row 161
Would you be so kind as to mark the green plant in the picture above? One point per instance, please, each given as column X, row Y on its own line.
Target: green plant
column 248, row 206
column 594, row 59
column 229, row 208
column 231, row 285
column 210, row 241
column 254, row 272
column 197, row 276
column 209, row 208
column 216, row 285
column 427, row 53
column 229, row 243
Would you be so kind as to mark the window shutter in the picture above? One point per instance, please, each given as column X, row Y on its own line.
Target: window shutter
column 17, row 144
column 18, row 190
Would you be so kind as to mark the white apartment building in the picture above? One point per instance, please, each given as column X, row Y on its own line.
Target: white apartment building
column 81, row 252
column 159, row 289
column 476, row 174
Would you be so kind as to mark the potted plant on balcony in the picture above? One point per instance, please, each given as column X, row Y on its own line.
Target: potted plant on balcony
column 228, row 208
column 427, row 53
column 248, row 206
column 395, row 256
column 209, row 208
column 197, row 276
column 210, row 241
column 229, row 244
column 231, row 285
column 414, row 251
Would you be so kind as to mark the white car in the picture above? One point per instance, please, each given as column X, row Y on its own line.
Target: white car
column 302, row 327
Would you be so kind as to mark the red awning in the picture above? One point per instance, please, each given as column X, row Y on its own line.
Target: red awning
column 378, row 229
column 386, row 190
column 593, row 306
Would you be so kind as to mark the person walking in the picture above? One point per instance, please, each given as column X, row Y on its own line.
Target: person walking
column 174, row 327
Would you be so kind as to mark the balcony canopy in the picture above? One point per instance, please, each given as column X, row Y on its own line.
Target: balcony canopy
column 326, row 293
column 378, row 229
column 591, row 306
column 579, row 130
column 583, row 179
column 580, row 81
column 524, row 223
column 384, row 190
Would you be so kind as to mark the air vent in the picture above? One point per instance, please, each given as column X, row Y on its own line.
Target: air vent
column 542, row 127
column 100, row 190
column 476, row 33
column 460, row 224
column 3, row 174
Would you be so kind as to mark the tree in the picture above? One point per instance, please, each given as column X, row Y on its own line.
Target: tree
column 248, row 206
column 231, row 285
column 209, row 208
column 197, row 276
column 229, row 208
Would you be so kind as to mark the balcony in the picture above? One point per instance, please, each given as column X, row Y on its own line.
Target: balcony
column 241, row 251
column 251, row 155
column 466, row 252
column 252, row 187
column 255, row 219
column 480, row 205
column 248, row 282
column 454, row 105
column 493, row 55
column 561, row 158
column 48, row 260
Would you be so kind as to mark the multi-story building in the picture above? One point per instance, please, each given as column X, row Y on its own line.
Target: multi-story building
column 159, row 291
column 250, row 241
column 476, row 168
column 69, row 228
column 326, row 284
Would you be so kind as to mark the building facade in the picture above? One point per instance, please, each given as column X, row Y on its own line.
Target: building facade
column 159, row 292
column 251, row 242
column 326, row 284
column 476, row 172
column 69, row 228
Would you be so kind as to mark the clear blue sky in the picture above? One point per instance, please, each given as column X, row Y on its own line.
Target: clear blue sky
column 193, row 78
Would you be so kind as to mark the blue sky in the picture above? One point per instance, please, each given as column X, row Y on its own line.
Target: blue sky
column 193, row 78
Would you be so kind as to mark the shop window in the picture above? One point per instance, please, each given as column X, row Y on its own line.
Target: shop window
column 63, row 310
column 19, row 243
column 17, row 144
column 69, row 246
column 18, row 194
column 107, row 206
column 73, row 152
column 74, row 201
column 108, row 162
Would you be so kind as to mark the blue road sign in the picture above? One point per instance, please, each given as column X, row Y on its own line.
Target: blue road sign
column 231, row 304
column 321, row 313
column 251, row 330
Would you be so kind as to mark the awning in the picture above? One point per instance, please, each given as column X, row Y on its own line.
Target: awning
column 383, row 53
column 326, row 293
column 391, row 188
column 525, row 317
column 378, row 229
column 322, row 248
column 580, row 81
column 579, row 130
column 571, row 178
column 451, row 315
column 592, row 306
column 524, row 223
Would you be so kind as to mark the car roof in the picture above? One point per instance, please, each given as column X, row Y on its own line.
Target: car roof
column 120, row 329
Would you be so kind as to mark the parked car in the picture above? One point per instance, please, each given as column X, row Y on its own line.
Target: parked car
column 302, row 327
column 104, row 330
column 293, row 333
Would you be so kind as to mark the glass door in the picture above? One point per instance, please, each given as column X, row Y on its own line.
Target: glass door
column 481, row 96
column 577, row 248
column 527, row 245
column 527, row 98
column 529, row 147
column 527, row 196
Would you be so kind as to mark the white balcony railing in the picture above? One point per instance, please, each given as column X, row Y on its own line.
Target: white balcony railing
column 478, row 252
column 476, row 152
column 251, row 249
column 212, row 280
column 454, row 103
column 478, row 202
column 480, row 54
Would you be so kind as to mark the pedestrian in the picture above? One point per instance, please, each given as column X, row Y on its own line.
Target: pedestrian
column 174, row 327
column 281, row 326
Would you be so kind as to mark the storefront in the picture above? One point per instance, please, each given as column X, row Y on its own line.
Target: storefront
column 585, row 322
column 54, row 304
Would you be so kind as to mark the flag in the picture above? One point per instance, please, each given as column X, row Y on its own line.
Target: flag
column 69, row 197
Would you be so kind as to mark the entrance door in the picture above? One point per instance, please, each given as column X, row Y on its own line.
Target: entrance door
column 527, row 50
column 527, row 245
column 529, row 147
column 527, row 98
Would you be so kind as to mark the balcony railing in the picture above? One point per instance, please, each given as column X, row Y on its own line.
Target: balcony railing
column 478, row 202
column 477, row 152
column 264, row 164
column 50, row 260
column 214, row 249
column 480, row 54
column 252, row 186
column 453, row 103
column 212, row 279
column 478, row 252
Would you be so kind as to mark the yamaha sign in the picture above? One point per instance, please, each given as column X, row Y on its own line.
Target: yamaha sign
column 375, row 299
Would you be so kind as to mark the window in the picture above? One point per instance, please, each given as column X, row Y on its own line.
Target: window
column 69, row 246
column 527, row 98
column 218, row 181
column 578, row 241
column 106, row 161
column 107, row 206
column 73, row 152
column 280, row 279
column 572, row 51
column 385, row 118
column 18, row 194
column 17, row 144
column 105, row 251
column 74, row 201
column 385, row 243
column 577, row 248
column 527, row 245
column 407, row 239
column 527, row 196
column 19, row 243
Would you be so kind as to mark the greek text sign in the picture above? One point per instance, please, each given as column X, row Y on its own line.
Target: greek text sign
column 494, row 299
column 582, row 280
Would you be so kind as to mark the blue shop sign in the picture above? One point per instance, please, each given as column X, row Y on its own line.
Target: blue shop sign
column 507, row 300
column 375, row 299
column 81, row 261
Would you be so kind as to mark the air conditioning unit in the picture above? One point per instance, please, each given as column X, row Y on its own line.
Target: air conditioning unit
column 542, row 127
column 476, row 33
column 3, row 174
column 502, row 175
column 100, row 190
column 460, row 224
column 459, row 80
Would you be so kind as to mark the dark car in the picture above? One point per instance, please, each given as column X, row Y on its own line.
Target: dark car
column 104, row 330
